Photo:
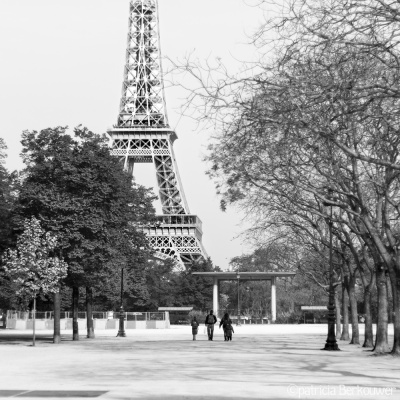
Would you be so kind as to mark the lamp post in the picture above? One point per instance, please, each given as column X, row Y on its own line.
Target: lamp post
column 331, row 344
column 238, row 292
column 121, row 331
column 34, row 319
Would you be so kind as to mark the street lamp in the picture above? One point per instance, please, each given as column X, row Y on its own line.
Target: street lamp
column 331, row 344
column 238, row 292
column 121, row 331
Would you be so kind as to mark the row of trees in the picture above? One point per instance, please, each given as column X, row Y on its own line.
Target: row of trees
column 80, row 195
column 255, row 297
column 311, row 138
column 70, row 223
column 310, row 287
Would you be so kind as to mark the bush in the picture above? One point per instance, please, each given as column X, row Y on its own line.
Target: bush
column 289, row 317
column 200, row 316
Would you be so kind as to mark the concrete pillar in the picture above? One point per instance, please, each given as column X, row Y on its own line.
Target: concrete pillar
column 215, row 297
column 273, row 300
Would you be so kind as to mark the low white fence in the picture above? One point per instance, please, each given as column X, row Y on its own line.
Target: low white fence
column 101, row 320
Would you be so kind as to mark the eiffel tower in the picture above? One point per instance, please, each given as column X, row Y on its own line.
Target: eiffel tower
column 143, row 135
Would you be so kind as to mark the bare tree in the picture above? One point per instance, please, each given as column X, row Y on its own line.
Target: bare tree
column 321, row 117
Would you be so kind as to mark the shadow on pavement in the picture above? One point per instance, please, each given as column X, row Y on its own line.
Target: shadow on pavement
column 10, row 338
column 188, row 397
column 52, row 393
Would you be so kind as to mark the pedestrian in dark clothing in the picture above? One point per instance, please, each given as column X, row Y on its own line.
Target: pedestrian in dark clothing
column 211, row 319
column 195, row 327
column 229, row 330
column 224, row 321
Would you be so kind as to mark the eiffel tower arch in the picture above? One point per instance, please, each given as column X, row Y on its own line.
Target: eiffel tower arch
column 142, row 135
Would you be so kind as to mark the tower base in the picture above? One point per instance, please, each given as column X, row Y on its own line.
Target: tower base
column 178, row 237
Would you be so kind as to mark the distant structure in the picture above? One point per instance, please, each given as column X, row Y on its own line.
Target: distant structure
column 143, row 135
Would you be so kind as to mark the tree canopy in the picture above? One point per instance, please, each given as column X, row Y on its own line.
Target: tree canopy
column 6, row 200
column 80, row 193
column 32, row 266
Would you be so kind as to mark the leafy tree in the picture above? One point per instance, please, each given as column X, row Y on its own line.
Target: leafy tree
column 4, row 198
column 80, row 193
column 291, row 293
column 7, row 199
column 161, row 280
column 135, row 289
column 194, row 290
column 7, row 289
column 33, row 266
column 169, row 287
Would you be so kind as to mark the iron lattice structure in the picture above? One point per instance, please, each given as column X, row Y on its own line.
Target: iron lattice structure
column 142, row 135
column 142, row 102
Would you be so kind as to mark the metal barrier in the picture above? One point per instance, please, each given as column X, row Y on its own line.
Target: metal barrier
column 25, row 315
column 244, row 318
column 129, row 316
column 145, row 316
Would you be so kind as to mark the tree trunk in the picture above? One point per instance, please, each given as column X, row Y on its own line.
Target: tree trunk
column 75, row 306
column 369, row 335
column 345, row 314
column 34, row 320
column 337, row 311
column 89, row 314
column 355, row 334
column 381, row 341
column 291, row 306
column 395, row 285
column 57, row 315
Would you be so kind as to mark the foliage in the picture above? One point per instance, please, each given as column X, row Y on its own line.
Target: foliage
column 32, row 266
column 196, row 290
column 292, row 293
column 6, row 201
column 223, row 301
column 7, row 293
column 80, row 193
column 200, row 315
column 169, row 287
column 293, row 317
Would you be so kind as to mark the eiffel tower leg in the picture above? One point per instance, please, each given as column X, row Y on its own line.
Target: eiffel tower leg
column 170, row 187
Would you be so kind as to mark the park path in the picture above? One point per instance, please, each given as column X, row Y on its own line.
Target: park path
column 262, row 364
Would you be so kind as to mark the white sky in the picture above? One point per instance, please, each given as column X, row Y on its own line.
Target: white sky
column 62, row 64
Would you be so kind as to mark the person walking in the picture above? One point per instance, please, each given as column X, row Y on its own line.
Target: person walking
column 195, row 327
column 229, row 330
column 211, row 319
column 224, row 322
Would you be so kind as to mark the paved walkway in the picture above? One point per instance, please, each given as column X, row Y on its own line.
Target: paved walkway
column 262, row 362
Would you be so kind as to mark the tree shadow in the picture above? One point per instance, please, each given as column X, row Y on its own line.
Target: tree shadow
column 10, row 338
